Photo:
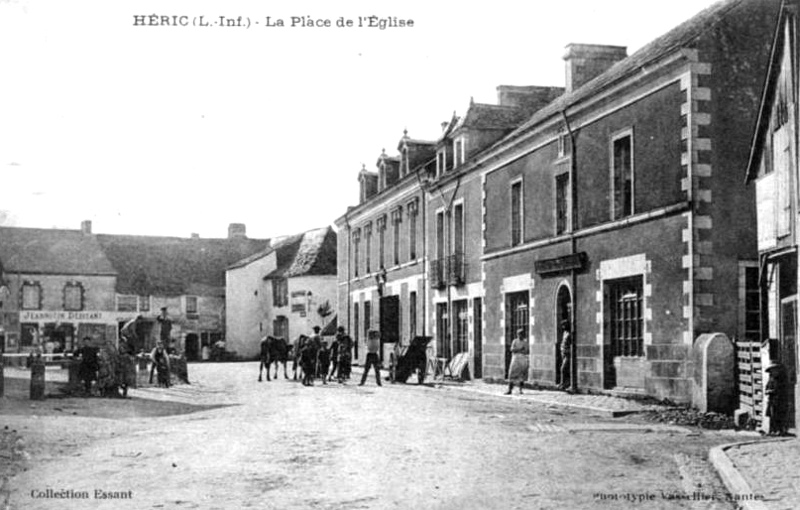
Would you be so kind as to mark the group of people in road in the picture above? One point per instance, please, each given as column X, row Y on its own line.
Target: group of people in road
column 112, row 371
column 318, row 360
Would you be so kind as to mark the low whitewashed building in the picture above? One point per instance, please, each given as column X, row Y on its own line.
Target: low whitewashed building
column 282, row 291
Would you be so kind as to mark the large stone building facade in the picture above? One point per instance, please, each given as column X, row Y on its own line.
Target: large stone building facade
column 613, row 204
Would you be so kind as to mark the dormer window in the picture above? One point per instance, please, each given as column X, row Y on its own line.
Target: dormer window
column 441, row 161
column 564, row 148
column 458, row 151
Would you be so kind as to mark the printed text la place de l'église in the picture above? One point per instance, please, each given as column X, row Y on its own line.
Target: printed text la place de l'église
column 172, row 20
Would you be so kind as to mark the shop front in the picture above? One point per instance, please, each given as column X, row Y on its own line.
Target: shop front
column 61, row 331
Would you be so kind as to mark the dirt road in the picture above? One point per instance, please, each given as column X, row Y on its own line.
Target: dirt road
column 228, row 441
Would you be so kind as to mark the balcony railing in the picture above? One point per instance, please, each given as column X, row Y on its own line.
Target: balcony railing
column 456, row 270
column 438, row 273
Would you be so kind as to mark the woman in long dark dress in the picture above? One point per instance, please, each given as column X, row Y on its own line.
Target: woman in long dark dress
column 777, row 402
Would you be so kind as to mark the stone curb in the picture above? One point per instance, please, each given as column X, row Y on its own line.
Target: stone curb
column 731, row 476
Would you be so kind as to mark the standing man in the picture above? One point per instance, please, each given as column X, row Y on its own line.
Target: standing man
column 566, row 354
column 345, row 348
column 373, row 360
column 89, row 364
column 128, row 339
column 166, row 328
column 334, row 355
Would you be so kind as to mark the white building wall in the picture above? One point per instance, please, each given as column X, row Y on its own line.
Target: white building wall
column 247, row 298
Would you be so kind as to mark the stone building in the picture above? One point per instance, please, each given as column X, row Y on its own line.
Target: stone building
column 62, row 285
column 614, row 205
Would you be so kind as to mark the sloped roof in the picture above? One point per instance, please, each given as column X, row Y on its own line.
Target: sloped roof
column 171, row 266
column 307, row 254
column 767, row 98
column 52, row 251
column 492, row 116
column 657, row 49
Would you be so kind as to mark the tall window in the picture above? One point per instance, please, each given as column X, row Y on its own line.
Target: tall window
column 441, row 161
column 412, row 230
column 144, row 303
column 367, row 317
column 382, row 241
column 623, row 176
column 516, row 213
column 442, row 330
column 412, row 314
column 460, row 323
column 440, row 234
column 397, row 218
column 562, row 203
column 367, row 247
column 458, row 229
column 73, row 296
column 31, row 296
column 356, row 247
column 625, row 321
column 280, row 292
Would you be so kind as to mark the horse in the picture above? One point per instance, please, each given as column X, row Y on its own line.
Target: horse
column 273, row 350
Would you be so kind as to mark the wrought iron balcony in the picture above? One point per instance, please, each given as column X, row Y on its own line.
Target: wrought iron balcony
column 438, row 273
column 456, row 270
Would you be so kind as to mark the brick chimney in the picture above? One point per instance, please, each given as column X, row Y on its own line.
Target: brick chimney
column 86, row 226
column 587, row 61
column 237, row 231
column 530, row 97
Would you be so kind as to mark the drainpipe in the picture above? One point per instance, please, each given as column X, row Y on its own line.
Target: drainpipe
column 573, row 226
column 349, row 297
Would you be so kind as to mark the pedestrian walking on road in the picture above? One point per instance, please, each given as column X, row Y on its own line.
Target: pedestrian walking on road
column 334, row 351
column 566, row 355
column 345, row 349
column 518, row 370
column 777, row 402
column 373, row 360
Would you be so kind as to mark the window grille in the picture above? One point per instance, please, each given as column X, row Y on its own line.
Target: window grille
column 627, row 325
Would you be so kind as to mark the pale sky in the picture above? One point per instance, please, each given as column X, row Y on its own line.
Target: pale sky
column 173, row 130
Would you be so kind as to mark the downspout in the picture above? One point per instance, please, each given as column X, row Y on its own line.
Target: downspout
column 349, row 297
column 573, row 226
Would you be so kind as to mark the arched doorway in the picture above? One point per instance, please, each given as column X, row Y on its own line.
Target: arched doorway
column 563, row 313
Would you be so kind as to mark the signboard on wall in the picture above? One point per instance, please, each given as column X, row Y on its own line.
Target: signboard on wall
column 300, row 302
